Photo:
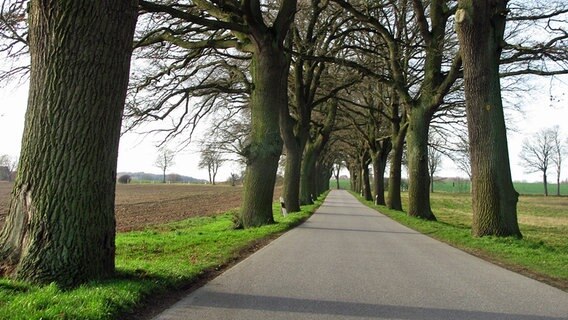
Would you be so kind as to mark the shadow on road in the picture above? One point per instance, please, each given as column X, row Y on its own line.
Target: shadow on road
column 338, row 308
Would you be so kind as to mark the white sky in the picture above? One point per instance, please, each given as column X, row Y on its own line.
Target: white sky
column 138, row 152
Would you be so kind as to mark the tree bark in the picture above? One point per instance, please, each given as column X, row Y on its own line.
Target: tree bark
column 312, row 151
column 269, row 71
column 324, row 175
column 292, row 174
column 399, row 126
column 295, row 136
column 558, row 184
column 545, row 182
column 394, row 200
column 480, row 25
column 353, row 172
column 366, row 180
column 379, row 159
column 307, row 175
column 60, row 226
column 417, row 155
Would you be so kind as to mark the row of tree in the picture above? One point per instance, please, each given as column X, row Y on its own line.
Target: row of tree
column 211, row 160
column 8, row 167
column 309, row 77
column 543, row 150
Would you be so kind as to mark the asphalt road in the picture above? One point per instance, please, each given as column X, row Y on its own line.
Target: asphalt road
column 348, row 262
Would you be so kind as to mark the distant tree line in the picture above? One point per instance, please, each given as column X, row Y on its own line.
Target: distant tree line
column 130, row 177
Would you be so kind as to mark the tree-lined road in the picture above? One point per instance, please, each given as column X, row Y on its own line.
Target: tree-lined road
column 348, row 262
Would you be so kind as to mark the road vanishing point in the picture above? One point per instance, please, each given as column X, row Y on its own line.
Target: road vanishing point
column 350, row 262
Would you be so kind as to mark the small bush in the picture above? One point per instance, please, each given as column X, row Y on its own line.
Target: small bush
column 124, row 179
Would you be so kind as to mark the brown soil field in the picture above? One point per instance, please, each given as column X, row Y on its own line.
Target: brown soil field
column 142, row 205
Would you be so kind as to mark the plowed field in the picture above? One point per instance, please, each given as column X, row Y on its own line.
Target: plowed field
column 141, row 205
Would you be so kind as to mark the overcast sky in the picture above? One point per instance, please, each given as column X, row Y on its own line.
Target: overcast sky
column 138, row 152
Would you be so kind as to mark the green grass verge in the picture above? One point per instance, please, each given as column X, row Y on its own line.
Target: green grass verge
column 463, row 186
column 160, row 259
column 527, row 188
column 542, row 253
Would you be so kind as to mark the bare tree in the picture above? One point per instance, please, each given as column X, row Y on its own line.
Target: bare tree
column 14, row 45
column 537, row 153
column 10, row 164
column 337, row 166
column 434, row 158
column 558, row 151
column 460, row 155
column 211, row 159
column 258, row 29
column 231, row 134
column 233, row 178
column 422, row 95
column 164, row 161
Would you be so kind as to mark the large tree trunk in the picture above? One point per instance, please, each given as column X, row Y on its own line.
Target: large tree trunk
column 269, row 71
column 394, row 200
column 417, row 155
column 312, row 150
column 480, row 27
column 379, row 181
column 366, row 182
column 379, row 159
column 60, row 226
column 354, row 178
column 399, row 126
column 545, row 182
column 307, row 178
column 324, row 176
column 291, row 188
column 294, row 143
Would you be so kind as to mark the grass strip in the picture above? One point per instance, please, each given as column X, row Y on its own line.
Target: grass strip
column 158, row 260
column 542, row 253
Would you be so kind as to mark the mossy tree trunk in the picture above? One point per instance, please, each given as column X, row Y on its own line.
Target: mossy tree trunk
column 60, row 226
column 379, row 160
column 295, row 132
column 367, row 194
column 354, row 180
column 312, row 151
column 307, row 178
column 430, row 27
column 268, row 100
column 480, row 25
column 433, row 88
column 269, row 71
column 292, row 174
column 324, row 173
column 417, row 155
column 398, row 134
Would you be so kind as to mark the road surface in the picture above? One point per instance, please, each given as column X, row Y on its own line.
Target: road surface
column 349, row 262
